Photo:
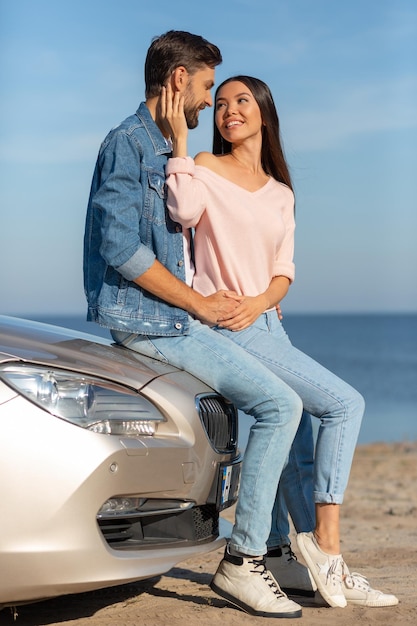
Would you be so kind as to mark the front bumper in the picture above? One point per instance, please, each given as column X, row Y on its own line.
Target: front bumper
column 59, row 476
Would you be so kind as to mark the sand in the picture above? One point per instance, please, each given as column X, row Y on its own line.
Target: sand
column 379, row 530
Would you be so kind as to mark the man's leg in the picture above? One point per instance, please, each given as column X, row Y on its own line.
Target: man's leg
column 242, row 577
column 295, row 495
column 295, row 490
column 238, row 376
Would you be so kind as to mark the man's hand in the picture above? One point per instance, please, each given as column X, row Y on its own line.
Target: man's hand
column 217, row 306
column 161, row 283
column 246, row 312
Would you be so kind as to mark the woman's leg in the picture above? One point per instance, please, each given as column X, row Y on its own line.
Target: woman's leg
column 340, row 409
column 327, row 530
column 324, row 395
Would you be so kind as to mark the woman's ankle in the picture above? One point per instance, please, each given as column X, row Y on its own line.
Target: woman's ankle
column 327, row 543
column 327, row 531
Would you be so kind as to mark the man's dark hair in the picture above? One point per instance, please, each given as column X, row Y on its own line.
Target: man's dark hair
column 173, row 49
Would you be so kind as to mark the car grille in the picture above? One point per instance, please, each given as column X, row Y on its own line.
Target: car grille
column 220, row 421
column 200, row 523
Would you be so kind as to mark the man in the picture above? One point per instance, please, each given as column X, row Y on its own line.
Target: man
column 137, row 278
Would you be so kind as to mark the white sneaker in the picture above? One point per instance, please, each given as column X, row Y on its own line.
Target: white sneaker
column 358, row 591
column 246, row 583
column 326, row 569
column 293, row 577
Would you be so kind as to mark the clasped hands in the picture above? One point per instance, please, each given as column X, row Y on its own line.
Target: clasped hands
column 238, row 312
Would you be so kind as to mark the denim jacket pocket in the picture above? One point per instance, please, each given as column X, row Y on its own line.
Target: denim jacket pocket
column 157, row 183
column 154, row 205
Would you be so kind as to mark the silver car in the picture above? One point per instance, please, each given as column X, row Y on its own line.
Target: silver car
column 114, row 466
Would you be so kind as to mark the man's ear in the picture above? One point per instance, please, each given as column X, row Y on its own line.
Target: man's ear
column 179, row 78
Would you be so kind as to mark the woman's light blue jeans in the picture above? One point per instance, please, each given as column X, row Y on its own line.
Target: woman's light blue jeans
column 336, row 404
column 257, row 391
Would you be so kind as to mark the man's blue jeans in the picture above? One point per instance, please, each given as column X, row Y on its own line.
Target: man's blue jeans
column 257, row 391
column 295, row 490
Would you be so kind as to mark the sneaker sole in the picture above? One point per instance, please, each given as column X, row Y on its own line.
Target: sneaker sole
column 373, row 605
column 249, row 609
column 322, row 588
column 298, row 592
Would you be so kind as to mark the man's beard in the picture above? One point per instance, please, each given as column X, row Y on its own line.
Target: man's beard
column 191, row 110
column 191, row 117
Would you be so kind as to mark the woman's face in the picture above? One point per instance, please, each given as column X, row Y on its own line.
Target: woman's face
column 237, row 115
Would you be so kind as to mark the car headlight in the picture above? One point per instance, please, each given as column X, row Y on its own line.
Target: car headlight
column 86, row 401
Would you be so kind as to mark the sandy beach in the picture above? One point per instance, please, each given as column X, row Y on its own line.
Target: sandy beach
column 379, row 530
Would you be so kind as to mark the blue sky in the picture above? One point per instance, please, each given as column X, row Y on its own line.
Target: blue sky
column 344, row 79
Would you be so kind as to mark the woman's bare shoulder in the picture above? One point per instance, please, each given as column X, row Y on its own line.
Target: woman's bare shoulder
column 205, row 159
column 211, row 161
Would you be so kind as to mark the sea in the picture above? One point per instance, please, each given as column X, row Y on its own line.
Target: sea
column 376, row 354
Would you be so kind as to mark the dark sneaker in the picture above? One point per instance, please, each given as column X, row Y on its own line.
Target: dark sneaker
column 293, row 577
column 358, row 591
column 326, row 569
column 246, row 583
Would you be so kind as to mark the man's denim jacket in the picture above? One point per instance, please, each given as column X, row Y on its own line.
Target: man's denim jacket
column 127, row 228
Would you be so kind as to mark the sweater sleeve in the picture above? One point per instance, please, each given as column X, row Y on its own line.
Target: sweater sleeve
column 186, row 195
column 284, row 260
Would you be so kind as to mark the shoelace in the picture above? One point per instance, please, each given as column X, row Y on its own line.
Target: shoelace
column 356, row 580
column 288, row 552
column 260, row 563
column 335, row 571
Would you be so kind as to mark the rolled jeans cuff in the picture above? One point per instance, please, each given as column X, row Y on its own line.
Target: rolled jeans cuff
column 328, row 498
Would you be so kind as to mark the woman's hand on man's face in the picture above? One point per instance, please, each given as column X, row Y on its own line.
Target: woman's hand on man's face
column 171, row 112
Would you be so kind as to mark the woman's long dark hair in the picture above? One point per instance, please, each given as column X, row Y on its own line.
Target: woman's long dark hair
column 272, row 155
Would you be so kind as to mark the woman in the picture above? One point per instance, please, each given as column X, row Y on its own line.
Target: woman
column 241, row 204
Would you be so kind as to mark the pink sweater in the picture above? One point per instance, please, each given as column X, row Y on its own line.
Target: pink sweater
column 242, row 239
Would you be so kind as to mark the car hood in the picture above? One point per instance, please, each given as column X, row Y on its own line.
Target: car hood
column 44, row 344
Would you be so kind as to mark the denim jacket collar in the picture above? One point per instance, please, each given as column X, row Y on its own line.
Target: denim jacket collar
column 159, row 142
